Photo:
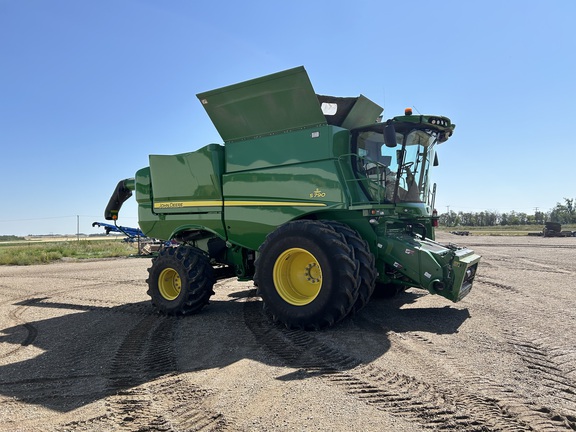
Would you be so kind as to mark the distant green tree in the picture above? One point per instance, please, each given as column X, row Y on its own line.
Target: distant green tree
column 7, row 238
column 539, row 217
column 449, row 219
column 564, row 213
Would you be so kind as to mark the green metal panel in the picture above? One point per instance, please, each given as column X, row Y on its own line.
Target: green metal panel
column 143, row 189
column 363, row 112
column 297, row 146
column 258, row 201
column 188, row 182
column 265, row 105
column 293, row 175
column 310, row 184
column 164, row 225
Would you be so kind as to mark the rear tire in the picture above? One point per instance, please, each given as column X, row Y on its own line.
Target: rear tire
column 180, row 280
column 305, row 275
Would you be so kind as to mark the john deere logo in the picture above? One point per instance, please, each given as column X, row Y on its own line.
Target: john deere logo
column 317, row 194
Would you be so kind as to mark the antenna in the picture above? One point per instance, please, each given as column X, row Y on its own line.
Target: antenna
column 416, row 109
column 384, row 99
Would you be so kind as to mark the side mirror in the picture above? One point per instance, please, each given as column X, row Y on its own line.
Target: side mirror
column 390, row 135
column 436, row 159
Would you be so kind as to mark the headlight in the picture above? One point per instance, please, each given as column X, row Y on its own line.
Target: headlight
column 470, row 273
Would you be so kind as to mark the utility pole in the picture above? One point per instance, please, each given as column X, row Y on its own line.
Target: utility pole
column 78, row 227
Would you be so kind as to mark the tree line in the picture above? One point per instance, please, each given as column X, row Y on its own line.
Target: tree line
column 7, row 238
column 563, row 213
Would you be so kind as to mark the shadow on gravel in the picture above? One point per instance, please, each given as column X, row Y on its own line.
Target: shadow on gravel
column 387, row 315
column 92, row 352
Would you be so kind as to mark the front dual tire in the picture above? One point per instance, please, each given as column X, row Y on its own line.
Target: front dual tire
column 308, row 275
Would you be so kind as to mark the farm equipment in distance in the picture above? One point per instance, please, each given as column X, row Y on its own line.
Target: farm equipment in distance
column 132, row 234
column 146, row 245
column 312, row 197
column 554, row 229
column 460, row 233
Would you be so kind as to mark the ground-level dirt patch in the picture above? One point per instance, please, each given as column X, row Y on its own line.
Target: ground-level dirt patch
column 82, row 349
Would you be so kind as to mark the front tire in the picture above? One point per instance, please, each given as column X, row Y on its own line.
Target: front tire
column 364, row 260
column 180, row 280
column 306, row 276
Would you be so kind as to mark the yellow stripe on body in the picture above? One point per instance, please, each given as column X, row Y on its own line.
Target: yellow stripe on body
column 183, row 204
column 273, row 203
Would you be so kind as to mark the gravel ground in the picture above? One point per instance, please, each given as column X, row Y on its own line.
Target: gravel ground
column 81, row 349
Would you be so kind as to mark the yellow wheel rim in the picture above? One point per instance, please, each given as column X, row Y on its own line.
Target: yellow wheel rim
column 297, row 276
column 169, row 284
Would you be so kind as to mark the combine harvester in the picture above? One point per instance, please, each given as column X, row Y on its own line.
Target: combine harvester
column 311, row 197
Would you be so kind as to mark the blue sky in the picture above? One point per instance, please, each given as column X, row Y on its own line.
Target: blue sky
column 88, row 89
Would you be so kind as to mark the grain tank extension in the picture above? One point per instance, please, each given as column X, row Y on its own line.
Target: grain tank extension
column 312, row 197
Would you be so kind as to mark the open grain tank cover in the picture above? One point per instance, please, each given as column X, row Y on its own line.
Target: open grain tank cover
column 265, row 105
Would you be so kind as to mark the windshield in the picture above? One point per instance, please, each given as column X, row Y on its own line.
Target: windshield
column 399, row 174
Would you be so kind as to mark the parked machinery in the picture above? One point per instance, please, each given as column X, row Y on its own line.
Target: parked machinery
column 312, row 197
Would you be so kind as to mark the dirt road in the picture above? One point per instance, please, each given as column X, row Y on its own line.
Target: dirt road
column 81, row 349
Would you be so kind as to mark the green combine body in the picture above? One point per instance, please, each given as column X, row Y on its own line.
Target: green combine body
column 310, row 196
